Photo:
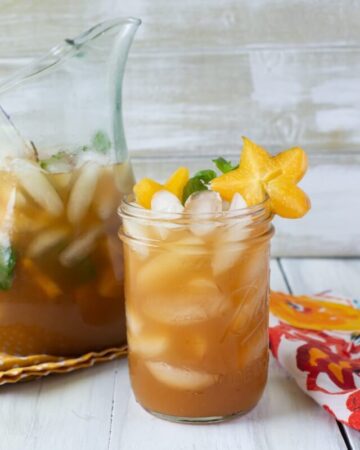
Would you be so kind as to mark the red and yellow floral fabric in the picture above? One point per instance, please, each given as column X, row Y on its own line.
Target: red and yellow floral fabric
column 317, row 340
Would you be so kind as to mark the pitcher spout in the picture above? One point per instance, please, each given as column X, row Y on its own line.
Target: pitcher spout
column 66, row 99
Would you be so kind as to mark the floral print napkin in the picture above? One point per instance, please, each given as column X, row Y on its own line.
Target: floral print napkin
column 317, row 340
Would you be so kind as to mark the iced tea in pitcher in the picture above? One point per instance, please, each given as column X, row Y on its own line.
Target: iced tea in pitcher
column 196, row 285
column 63, row 171
column 61, row 268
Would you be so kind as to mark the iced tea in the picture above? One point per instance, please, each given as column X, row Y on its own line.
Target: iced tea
column 61, row 268
column 196, row 292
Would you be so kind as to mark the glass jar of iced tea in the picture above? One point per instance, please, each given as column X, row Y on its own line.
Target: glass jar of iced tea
column 196, row 289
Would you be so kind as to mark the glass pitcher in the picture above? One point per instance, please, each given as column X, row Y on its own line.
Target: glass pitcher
column 64, row 169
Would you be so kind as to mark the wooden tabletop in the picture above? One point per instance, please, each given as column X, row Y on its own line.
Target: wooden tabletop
column 95, row 409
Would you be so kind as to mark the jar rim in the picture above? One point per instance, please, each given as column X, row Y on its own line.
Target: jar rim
column 129, row 208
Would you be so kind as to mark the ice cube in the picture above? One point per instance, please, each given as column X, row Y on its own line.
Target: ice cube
column 203, row 202
column 237, row 228
column 190, row 245
column 114, row 254
column 136, row 229
column 237, row 202
column 147, row 345
column 60, row 162
column 106, row 197
column 230, row 245
column 82, row 192
column 35, row 183
column 21, row 200
column 226, row 256
column 7, row 207
column 255, row 266
column 80, row 248
column 203, row 206
column 196, row 301
column 165, row 265
column 179, row 377
column 138, row 232
column 46, row 240
column 86, row 157
column 237, row 231
column 225, row 205
column 161, row 267
column 133, row 322
column 165, row 202
column 106, row 207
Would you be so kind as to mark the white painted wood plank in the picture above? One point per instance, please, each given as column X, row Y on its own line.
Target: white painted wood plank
column 282, row 420
column 120, row 404
column 18, row 415
column 74, row 411
column 26, row 26
column 332, row 227
column 203, row 101
column 63, row 412
column 316, row 275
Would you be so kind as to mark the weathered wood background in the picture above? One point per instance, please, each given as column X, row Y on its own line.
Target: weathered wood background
column 203, row 72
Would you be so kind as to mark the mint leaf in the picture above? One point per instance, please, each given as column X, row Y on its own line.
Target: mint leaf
column 7, row 266
column 101, row 142
column 60, row 161
column 223, row 165
column 194, row 184
column 206, row 175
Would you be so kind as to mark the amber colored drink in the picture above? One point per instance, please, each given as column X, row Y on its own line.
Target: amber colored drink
column 61, row 276
column 197, row 313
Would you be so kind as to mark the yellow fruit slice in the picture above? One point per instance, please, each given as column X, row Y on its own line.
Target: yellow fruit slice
column 256, row 166
column 237, row 181
column 146, row 188
column 293, row 163
column 287, row 199
column 259, row 174
column 144, row 191
column 256, row 161
column 177, row 182
column 45, row 283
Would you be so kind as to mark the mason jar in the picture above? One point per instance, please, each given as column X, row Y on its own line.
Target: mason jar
column 196, row 295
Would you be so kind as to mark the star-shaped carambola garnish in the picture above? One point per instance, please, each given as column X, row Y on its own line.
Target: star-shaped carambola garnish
column 259, row 174
column 146, row 188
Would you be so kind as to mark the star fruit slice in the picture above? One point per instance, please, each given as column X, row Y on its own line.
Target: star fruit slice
column 146, row 188
column 259, row 175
